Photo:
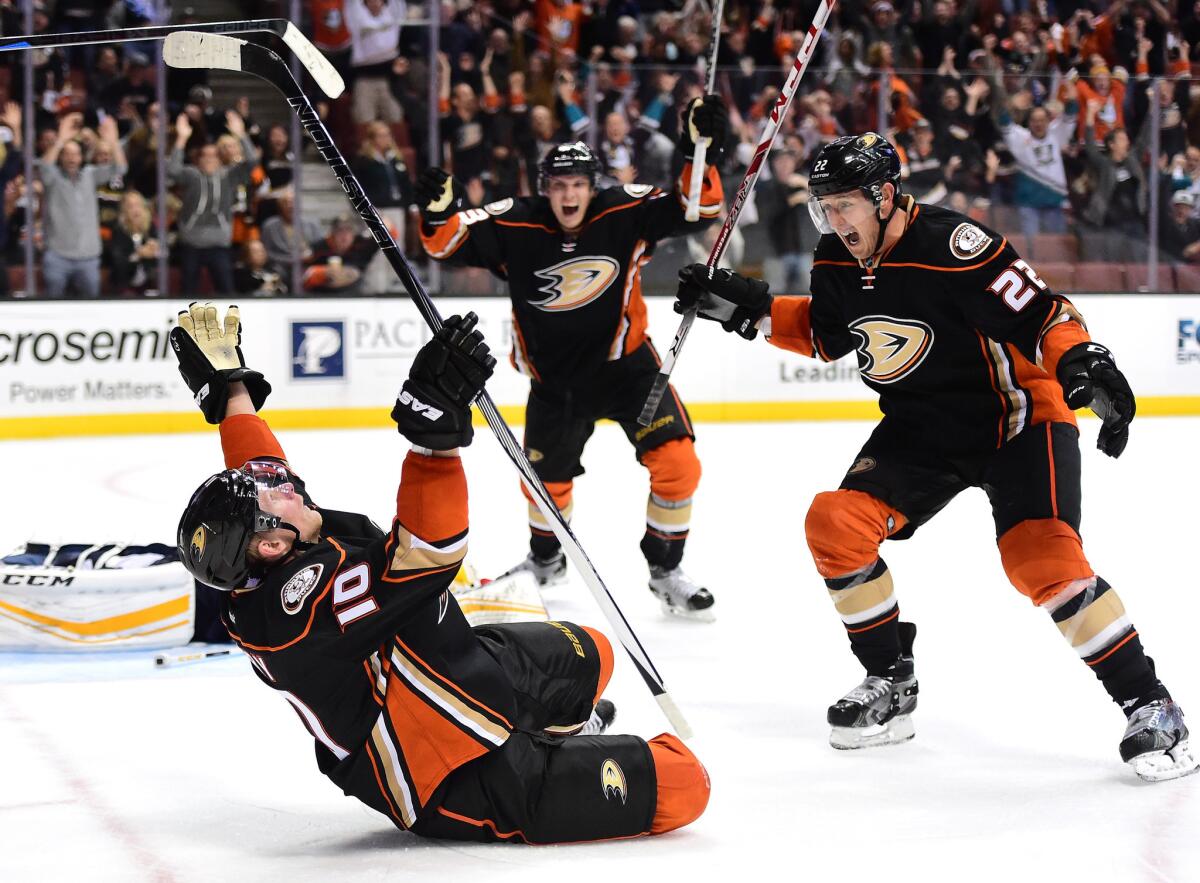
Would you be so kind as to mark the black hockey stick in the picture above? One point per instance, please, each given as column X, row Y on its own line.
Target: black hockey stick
column 194, row 50
column 739, row 200
column 317, row 64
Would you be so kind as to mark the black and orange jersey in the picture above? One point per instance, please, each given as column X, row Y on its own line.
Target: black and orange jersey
column 577, row 300
column 361, row 635
column 955, row 331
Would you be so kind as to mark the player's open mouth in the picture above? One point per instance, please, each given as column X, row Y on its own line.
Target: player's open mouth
column 569, row 210
column 852, row 238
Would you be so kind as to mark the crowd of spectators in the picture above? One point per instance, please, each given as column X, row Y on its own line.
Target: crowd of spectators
column 1063, row 123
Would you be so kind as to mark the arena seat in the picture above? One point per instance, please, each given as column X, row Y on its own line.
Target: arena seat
column 1054, row 247
column 1137, row 277
column 1099, row 276
column 1059, row 275
column 1187, row 278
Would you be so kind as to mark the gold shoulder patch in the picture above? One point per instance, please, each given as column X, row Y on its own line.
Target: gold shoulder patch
column 968, row 241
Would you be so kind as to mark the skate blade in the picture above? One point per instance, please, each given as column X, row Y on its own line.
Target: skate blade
column 1165, row 765
column 898, row 729
column 705, row 615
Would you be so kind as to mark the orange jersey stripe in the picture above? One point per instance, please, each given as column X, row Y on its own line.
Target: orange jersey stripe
column 791, row 324
column 432, row 499
column 432, row 746
column 246, row 437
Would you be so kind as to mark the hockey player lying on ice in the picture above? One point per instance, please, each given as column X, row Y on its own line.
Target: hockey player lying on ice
column 449, row 731
column 978, row 366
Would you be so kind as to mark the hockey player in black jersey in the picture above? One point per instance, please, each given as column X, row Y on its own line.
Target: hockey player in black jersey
column 979, row 367
column 572, row 258
column 449, row 731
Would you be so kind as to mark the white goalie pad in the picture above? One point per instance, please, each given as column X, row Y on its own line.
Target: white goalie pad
column 509, row 599
column 111, row 601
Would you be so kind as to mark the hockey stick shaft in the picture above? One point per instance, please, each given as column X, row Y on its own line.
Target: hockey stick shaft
column 318, row 66
column 743, row 192
column 175, row 657
column 699, row 153
column 198, row 50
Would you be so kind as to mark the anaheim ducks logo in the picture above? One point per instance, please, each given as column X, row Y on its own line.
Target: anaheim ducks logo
column 890, row 348
column 612, row 780
column 967, row 240
column 296, row 589
column 575, row 282
column 199, row 538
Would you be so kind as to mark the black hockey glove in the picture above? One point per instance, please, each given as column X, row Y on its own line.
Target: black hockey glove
column 439, row 195
column 724, row 296
column 705, row 117
column 1090, row 378
column 210, row 358
column 433, row 409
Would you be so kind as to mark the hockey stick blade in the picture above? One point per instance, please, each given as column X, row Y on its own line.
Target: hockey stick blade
column 317, row 65
column 743, row 192
column 261, row 62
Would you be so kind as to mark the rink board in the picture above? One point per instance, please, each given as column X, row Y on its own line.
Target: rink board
column 92, row 368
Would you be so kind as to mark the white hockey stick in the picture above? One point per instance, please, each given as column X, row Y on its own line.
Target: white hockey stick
column 318, row 66
column 743, row 192
column 185, row 655
column 189, row 50
column 692, row 213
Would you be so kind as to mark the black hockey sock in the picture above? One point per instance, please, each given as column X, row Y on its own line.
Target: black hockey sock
column 544, row 545
column 662, row 549
column 1128, row 676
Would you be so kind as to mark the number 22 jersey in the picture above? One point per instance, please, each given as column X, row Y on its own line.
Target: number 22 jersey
column 957, row 333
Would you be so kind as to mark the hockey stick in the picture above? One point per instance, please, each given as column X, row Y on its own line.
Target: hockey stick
column 318, row 66
column 692, row 213
column 743, row 192
column 191, row 50
column 185, row 655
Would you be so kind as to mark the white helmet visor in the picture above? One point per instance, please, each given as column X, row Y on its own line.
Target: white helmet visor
column 817, row 213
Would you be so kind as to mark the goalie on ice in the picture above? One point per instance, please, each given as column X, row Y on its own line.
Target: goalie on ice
column 449, row 731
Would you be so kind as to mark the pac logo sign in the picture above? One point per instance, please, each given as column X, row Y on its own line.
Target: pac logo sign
column 1187, row 343
column 318, row 350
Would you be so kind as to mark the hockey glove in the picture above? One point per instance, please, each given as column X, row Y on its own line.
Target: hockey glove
column 724, row 296
column 433, row 409
column 1090, row 378
column 705, row 117
column 210, row 358
column 439, row 195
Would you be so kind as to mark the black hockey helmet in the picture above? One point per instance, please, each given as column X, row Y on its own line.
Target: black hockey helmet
column 216, row 528
column 568, row 159
column 853, row 162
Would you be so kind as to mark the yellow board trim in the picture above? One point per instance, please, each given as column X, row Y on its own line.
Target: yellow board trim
column 377, row 417
column 157, row 613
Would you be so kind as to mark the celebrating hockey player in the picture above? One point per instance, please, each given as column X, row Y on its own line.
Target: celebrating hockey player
column 572, row 258
column 979, row 367
column 448, row 730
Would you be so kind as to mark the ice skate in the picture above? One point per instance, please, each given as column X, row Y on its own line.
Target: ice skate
column 680, row 596
column 877, row 711
column 547, row 571
column 1156, row 742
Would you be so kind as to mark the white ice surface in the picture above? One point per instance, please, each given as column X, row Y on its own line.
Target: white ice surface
column 112, row 770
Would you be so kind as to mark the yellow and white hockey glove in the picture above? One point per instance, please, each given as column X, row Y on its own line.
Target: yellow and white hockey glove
column 210, row 358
